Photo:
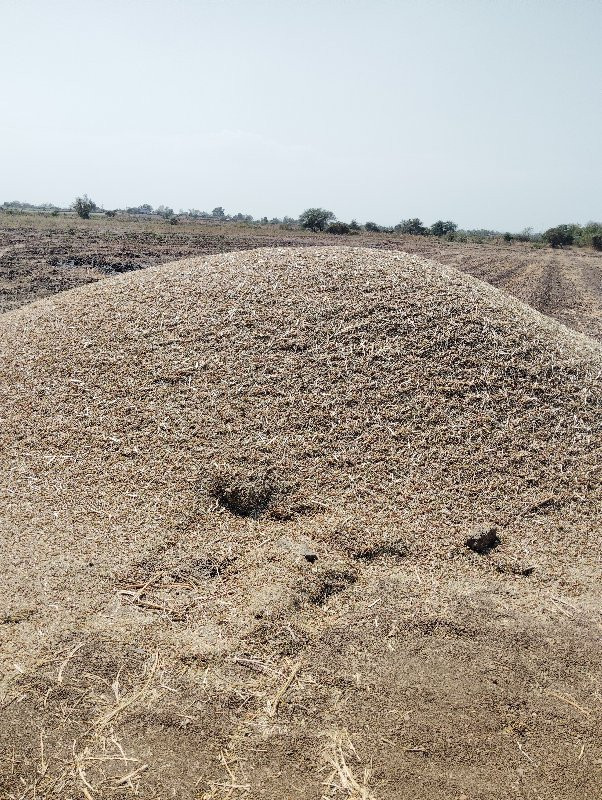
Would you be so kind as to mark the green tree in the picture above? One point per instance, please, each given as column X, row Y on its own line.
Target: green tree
column 316, row 219
column 372, row 227
column 560, row 236
column 590, row 234
column 414, row 227
column 597, row 241
column 338, row 227
column 83, row 206
column 441, row 228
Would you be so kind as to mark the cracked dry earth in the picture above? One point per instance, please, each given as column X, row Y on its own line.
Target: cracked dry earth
column 237, row 497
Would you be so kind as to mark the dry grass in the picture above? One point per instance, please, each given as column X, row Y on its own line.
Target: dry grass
column 342, row 782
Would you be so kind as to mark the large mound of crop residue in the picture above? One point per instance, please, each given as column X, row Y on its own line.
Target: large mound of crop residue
column 242, row 487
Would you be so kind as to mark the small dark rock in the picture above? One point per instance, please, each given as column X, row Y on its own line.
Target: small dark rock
column 300, row 548
column 482, row 539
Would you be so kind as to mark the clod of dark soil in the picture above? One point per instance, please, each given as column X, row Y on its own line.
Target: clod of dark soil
column 482, row 539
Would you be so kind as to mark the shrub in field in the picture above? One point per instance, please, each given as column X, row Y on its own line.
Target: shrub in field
column 597, row 241
column 507, row 237
column 84, row 206
column 441, row 228
column 414, row 227
column 372, row 227
column 338, row 228
column 316, row 219
column 110, row 213
column 589, row 234
column 526, row 235
column 560, row 236
column 145, row 208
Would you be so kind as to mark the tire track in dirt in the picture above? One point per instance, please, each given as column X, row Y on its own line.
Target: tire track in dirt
column 560, row 285
column 580, row 304
column 522, row 281
column 550, row 294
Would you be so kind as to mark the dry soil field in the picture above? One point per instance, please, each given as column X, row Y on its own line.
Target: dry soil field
column 43, row 255
column 298, row 523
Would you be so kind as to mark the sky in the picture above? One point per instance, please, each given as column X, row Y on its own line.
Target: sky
column 485, row 112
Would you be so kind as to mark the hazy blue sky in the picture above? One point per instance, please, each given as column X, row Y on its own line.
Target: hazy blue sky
column 485, row 112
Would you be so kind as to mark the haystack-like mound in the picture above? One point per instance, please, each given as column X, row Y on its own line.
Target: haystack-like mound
column 235, row 503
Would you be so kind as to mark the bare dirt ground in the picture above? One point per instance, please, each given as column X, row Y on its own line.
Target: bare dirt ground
column 564, row 284
column 40, row 256
column 236, row 500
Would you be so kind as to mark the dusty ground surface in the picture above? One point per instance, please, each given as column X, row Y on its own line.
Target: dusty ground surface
column 43, row 255
column 237, row 493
